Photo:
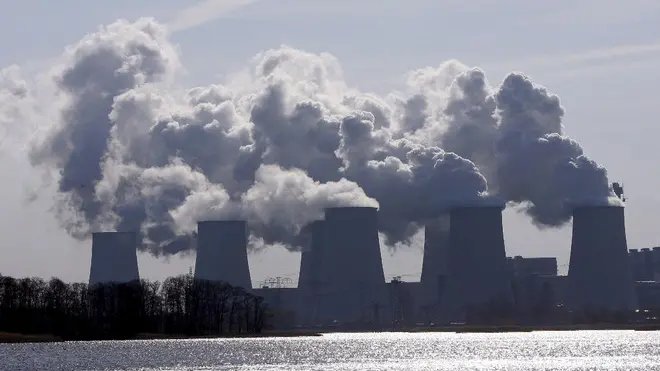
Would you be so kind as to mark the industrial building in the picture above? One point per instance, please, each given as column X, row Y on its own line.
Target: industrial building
column 599, row 276
column 434, row 266
column 309, row 279
column 645, row 264
column 351, row 279
column 114, row 258
column 522, row 267
column 341, row 281
column 477, row 275
column 222, row 252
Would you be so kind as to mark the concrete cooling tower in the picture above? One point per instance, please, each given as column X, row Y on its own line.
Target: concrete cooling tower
column 478, row 277
column 114, row 258
column 310, row 258
column 310, row 269
column 599, row 276
column 434, row 264
column 222, row 253
column 352, row 282
column 304, row 276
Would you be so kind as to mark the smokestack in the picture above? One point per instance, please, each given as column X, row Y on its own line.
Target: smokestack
column 114, row 258
column 310, row 267
column 434, row 262
column 599, row 276
column 477, row 273
column 222, row 253
column 352, row 279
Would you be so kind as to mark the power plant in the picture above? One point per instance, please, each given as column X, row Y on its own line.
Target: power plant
column 599, row 276
column 352, row 282
column 277, row 152
column 222, row 252
column 114, row 258
column 434, row 263
column 464, row 268
column 477, row 273
column 309, row 278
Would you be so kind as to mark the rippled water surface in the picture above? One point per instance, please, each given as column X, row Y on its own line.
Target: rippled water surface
column 583, row 350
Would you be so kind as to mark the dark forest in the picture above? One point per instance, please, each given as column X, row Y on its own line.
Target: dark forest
column 179, row 306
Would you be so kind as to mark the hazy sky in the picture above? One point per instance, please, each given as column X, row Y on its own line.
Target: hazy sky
column 599, row 56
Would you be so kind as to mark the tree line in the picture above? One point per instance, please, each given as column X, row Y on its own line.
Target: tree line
column 179, row 306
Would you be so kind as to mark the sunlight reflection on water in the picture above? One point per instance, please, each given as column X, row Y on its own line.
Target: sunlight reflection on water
column 583, row 350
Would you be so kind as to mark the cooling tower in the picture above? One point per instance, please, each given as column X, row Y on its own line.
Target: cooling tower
column 222, row 253
column 309, row 278
column 114, row 258
column 599, row 276
column 304, row 276
column 478, row 277
column 434, row 264
column 310, row 258
column 352, row 283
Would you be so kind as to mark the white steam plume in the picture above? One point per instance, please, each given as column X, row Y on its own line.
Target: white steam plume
column 287, row 139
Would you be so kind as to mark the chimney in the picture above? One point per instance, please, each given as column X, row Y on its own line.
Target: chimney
column 310, row 266
column 114, row 258
column 599, row 276
column 222, row 253
column 478, row 274
column 434, row 263
column 352, row 282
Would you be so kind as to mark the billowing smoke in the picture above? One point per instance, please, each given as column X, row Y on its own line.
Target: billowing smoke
column 515, row 136
column 285, row 138
column 14, row 103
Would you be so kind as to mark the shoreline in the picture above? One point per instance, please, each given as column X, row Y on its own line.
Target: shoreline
column 535, row 328
column 14, row 338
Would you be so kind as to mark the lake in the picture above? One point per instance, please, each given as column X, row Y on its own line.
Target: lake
column 578, row 350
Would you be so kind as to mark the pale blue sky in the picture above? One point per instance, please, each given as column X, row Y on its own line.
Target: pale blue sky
column 599, row 56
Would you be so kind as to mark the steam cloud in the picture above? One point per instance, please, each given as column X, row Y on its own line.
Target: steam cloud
column 286, row 138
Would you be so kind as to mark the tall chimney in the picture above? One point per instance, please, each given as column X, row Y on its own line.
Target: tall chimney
column 434, row 264
column 114, row 258
column 599, row 276
column 222, row 253
column 478, row 276
column 352, row 281
column 310, row 269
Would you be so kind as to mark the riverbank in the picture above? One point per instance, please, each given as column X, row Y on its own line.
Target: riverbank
column 533, row 328
column 46, row 338
column 266, row 334
column 11, row 338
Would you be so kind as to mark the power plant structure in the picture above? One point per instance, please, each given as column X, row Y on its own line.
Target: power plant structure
column 310, row 272
column 599, row 275
column 645, row 264
column 478, row 276
column 222, row 252
column 465, row 271
column 352, row 285
column 434, row 264
column 114, row 258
